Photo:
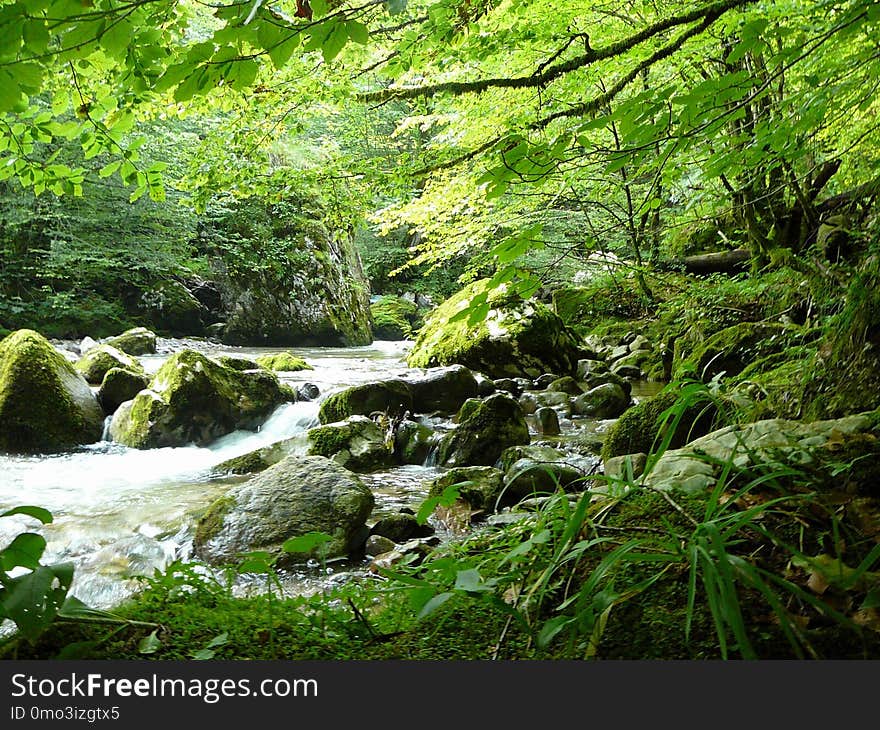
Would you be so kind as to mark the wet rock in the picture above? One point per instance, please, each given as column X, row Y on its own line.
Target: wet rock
column 136, row 341
column 392, row 397
column 443, row 390
column 378, row 545
column 238, row 363
column 616, row 467
column 101, row 358
column 478, row 486
column 566, row 384
column 283, row 362
column 603, row 401
column 542, row 382
column 308, row 391
column 485, row 386
column 296, row 496
column 586, row 368
column 548, row 421
column 45, row 404
column 496, row 423
column 413, row 442
column 633, row 372
column 118, row 386
column 356, row 443
column 529, row 403
column 508, row 385
column 400, row 527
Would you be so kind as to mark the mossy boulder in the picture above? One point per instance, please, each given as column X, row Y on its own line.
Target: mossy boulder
column 400, row 527
column 813, row 451
column 413, row 442
column 356, row 443
column 517, row 337
column 604, row 401
column 565, row 384
column 136, row 341
column 393, row 397
column 171, row 307
column 495, row 424
column 120, row 385
column 238, row 363
column 733, row 349
column 478, row 486
column 101, row 358
column 45, row 404
column 298, row 495
column 443, row 390
column 394, row 318
column 261, row 459
column 193, row 399
column 283, row 362
column 637, row 430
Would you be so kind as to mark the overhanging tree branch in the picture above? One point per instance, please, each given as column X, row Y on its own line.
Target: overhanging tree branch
column 547, row 74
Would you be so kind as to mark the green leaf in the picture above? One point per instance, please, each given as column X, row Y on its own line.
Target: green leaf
column 446, row 499
column 471, row 581
column 24, row 551
column 117, row 38
column 395, row 6
column 32, row 601
column 551, row 629
column 306, row 543
column 150, row 644
column 335, row 42
column 358, row 32
column 433, row 604
column 43, row 515
column 109, row 168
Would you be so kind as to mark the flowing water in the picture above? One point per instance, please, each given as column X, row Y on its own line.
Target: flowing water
column 120, row 512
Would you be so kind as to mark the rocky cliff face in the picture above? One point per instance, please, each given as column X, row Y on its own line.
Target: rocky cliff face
column 286, row 278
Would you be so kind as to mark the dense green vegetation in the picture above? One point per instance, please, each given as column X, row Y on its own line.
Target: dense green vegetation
column 703, row 176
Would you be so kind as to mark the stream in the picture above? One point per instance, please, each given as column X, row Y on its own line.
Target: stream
column 120, row 512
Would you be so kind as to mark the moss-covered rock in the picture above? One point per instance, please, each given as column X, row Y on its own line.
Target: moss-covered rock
column 136, row 341
column 495, row 424
column 517, row 338
column 283, row 362
column 238, row 363
column 638, row 429
column 171, row 307
column 813, row 451
column 356, row 443
column 604, row 401
column 261, row 459
column 393, row 397
column 298, row 495
column 193, row 399
column 565, row 384
column 394, row 318
column 733, row 349
column 478, row 486
column 413, row 442
column 400, row 527
column 120, row 385
column 45, row 404
column 101, row 358
column 443, row 390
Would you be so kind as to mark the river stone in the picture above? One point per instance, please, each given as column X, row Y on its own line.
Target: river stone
column 478, row 486
column 101, row 358
column 45, row 404
column 262, row 458
column 308, row 391
column 238, row 363
column 285, row 362
column 529, row 403
column 400, row 527
column 586, row 368
column 356, row 443
column 298, row 495
column 468, row 408
column 118, row 386
column 542, row 382
column 616, row 466
column 193, row 399
column 86, row 344
column 509, row 385
column 562, row 402
column 820, row 447
column 601, row 378
column 516, row 338
column 548, row 421
column 565, row 384
column 529, row 469
column 485, row 386
column 604, row 401
column 136, row 341
column 392, row 397
column 413, row 442
column 443, row 390
column 378, row 545
column 626, row 370
column 496, row 423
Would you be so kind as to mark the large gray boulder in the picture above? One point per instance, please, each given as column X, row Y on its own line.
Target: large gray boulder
column 356, row 443
column 443, row 389
column 516, row 338
column 298, row 495
column 489, row 428
column 193, row 399
column 393, row 397
column 136, row 341
column 45, row 404
column 818, row 447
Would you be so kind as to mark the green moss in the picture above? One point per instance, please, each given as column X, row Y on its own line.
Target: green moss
column 529, row 339
column 284, row 362
column 394, row 318
column 45, row 404
column 136, row 341
column 251, row 463
column 329, row 440
column 211, row 522
column 95, row 364
column 387, row 396
column 238, row 363
column 637, row 429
